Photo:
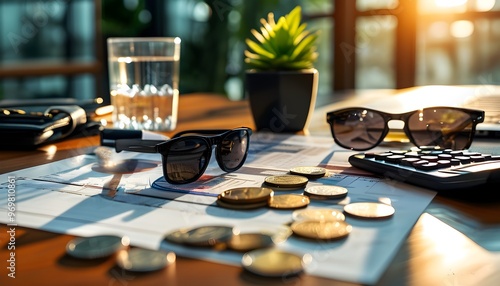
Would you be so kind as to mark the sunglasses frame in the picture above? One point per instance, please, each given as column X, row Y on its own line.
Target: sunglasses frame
column 210, row 137
column 476, row 116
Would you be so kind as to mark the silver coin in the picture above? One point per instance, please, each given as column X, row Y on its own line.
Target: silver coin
column 202, row 236
column 312, row 172
column 96, row 246
column 326, row 192
column 274, row 263
column 144, row 260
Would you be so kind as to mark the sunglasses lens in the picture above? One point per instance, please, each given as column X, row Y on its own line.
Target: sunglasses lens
column 233, row 149
column 444, row 127
column 186, row 160
column 358, row 129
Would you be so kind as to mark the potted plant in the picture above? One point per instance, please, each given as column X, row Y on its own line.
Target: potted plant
column 282, row 83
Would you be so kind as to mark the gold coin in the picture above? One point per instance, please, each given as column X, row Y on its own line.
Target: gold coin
column 244, row 242
column 286, row 181
column 318, row 214
column 201, row 236
column 246, row 195
column 326, row 192
column 144, row 260
column 274, row 263
column 309, row 172
column 369, row 210
column 288, row 201
column 240, row 206
column 325, row 230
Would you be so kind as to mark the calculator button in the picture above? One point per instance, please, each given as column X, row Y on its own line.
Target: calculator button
column 382, row 156
column 412, row 155
column 428, row 166
column 467, row 153
column 430, row 158
column 369, row 155
column 444, row 163
column 409, row 161
column 419, row 163
column 477, row 158
column 394, row 159
column 463, row 159
column 445, row 157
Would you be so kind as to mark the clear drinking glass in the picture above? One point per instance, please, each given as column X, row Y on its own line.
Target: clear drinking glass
column 143, row 80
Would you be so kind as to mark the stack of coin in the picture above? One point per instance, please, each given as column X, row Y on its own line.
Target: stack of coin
column 309, row 172
column 369, row 210
column 326, row 192
column 286, row 181
column 320, row 224
column 245, row 198
column 207, row 236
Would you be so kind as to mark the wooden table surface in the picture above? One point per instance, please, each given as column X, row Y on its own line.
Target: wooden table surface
column 435, row 253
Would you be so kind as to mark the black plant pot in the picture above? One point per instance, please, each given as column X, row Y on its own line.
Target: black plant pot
column 282, row 101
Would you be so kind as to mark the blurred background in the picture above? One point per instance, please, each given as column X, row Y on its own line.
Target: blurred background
column 57, row 48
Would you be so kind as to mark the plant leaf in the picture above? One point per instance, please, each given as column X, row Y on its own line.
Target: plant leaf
column 259, row 50
column 304, row 46
column 293, row 19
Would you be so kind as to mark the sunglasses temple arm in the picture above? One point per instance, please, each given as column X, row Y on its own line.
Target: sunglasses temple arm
column 137, row 145
column 208, row 131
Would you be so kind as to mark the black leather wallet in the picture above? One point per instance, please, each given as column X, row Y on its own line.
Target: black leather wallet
column 21, row 129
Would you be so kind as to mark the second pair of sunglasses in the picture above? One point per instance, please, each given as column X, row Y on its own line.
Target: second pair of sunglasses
column 361, row 128
column 186, row 156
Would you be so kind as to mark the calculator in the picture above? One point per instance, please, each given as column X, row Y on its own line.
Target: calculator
column 436, row 169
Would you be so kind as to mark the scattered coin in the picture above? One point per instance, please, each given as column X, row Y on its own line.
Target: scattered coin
column 274, row 263
column 201, row 236
column 325, row 230
column 309, row 172
column 317, row 214
column 96, row 246
column 369, row 210
column 244, row 242
column 288, row 201
column 144, row 260
column 286, row 181
column 246, row 195
column 326, row 192
column 240, row 206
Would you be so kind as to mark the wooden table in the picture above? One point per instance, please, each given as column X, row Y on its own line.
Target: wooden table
column 433, row 254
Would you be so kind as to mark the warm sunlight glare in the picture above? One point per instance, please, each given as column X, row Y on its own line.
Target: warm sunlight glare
column 485, row 5
column 448, row 240
column 462, row 29
column 450, row 3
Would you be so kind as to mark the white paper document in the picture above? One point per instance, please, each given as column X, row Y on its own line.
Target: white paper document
column 81, row 196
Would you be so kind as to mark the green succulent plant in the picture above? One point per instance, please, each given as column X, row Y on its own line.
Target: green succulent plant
column 282, row 45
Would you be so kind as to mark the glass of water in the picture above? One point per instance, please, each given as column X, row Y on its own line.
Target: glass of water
column 143, row 80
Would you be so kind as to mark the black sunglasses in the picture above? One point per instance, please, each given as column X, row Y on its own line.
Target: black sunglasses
column 361, row 128
column 186, row 156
